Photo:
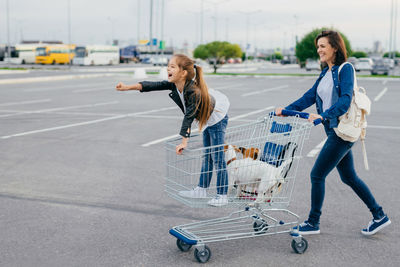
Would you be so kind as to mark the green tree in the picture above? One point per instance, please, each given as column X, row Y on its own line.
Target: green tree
column 396, row 54
column 306, row 47
column 217, row 51
column 358, row 54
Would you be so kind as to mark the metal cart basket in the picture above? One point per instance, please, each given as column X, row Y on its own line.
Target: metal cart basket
column 261, row 159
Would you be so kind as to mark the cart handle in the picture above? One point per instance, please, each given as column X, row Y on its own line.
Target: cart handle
column 303, row 115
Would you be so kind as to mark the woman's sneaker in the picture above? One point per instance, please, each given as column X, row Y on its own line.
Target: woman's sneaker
column 306, row 228
column 376, row 225
column 198, row 192
column 218, row 201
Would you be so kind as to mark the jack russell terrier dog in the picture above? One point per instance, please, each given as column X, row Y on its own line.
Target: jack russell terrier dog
column 250, row 171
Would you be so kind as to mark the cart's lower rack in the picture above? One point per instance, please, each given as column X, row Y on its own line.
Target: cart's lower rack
column 250, row 222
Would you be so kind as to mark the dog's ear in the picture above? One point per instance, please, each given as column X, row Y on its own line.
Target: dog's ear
column 242, row 150
column 255, row 153
column 238, row 149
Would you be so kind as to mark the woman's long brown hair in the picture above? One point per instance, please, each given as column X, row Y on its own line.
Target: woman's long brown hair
column 195, row 74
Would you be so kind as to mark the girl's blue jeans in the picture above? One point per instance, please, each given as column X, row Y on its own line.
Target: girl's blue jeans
column 337, row 153
column 214, row 136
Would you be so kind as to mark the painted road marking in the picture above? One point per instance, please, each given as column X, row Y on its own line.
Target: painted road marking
column 25, row 102
column 84, row 123
column 54, row 109
column 380, row 94
column 316, row 150
column 265, row 90
column 196, row 130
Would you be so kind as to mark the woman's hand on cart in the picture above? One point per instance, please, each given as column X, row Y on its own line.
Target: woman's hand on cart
column 311, row 117
column 314, row 117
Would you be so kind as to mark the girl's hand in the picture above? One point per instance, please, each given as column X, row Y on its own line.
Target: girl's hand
column 313, row 117
column 179, row 148
column 121, row 87
column 278, row 112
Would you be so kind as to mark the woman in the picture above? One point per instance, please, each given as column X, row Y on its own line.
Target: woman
column 332, row 93
column 209, row 107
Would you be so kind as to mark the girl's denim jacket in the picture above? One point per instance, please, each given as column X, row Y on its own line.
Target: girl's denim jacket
column 342, row 94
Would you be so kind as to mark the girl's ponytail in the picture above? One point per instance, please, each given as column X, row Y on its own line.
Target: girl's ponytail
column 204, row 105
column 195, row 74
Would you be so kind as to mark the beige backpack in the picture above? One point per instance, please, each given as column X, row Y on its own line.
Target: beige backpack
column 352, row 125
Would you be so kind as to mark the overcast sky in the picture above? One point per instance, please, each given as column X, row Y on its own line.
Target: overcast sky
column 271, row 24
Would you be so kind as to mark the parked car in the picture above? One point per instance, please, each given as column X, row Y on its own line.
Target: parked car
column 312, row 64
column 390, row 62
column 364, row 64
column 160, row 61
column 352, row 60
column 380, row 67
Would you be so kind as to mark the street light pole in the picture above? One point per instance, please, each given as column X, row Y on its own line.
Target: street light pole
column 138, row 21
column 8, row 31
column 151, row 26
column 201, row 21
column 247, row 27
column 162, row 27
column 69, row 31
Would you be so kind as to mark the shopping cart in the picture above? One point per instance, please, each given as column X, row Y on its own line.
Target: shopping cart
column 261, row 182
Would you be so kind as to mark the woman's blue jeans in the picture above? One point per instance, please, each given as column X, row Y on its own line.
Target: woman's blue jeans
column 337, row 153
column 215, row 136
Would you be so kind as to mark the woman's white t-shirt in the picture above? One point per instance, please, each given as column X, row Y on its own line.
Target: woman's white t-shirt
column 324, row 90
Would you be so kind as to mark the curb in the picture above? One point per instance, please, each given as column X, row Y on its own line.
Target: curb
column 54, row 78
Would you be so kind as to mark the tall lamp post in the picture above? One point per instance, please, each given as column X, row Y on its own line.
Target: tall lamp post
column 247, row 27
column 8, row 31
column 69, row 32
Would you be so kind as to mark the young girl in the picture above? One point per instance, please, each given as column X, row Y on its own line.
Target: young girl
column 209, row 107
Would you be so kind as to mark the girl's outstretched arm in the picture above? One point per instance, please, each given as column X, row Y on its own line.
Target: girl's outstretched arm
column 124, row 87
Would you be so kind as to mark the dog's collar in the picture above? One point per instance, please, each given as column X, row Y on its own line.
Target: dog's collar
column 229, row 161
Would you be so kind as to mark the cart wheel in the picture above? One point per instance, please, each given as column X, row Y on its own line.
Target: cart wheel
column 202, row 256
column 260, row 227
column 301, row 246
column 182, row 245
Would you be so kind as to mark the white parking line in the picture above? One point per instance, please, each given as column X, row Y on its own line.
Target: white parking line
column 69, row 86
column 25, row 102
column 316, row 150
column 84, row 123
column 235, row 85
column 110, row 88
column 54, row 109
column 380, row 94
column 196, row 130
column 265, row 90
column 384, row 127
column 384, row 82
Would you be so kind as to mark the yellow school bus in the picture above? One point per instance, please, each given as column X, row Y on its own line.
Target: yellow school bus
column 54, row 54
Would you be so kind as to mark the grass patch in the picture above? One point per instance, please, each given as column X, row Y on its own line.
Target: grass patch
column 291, row 74
column 7, row 68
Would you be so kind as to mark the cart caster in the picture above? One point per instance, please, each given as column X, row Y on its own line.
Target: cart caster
column 202, row 255
column 182, row 245
column 260, row 227
column 299, row 246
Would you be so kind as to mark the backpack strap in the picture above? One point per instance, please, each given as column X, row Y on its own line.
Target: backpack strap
column 362, row 137
column 354, row 71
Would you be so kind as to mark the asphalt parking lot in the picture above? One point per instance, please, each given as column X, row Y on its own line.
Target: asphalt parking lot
column 82, row 177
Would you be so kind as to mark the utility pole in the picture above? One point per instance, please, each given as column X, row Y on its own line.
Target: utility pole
column 151, row 26
column 201, row 21
column 138, row 21
column 8, row 31
column 162, row 26
column 69, row 32
column 247, row 28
